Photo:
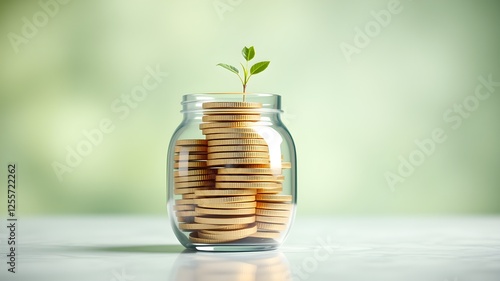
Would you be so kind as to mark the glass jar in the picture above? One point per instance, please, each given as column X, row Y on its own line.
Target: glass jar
column 231, row 173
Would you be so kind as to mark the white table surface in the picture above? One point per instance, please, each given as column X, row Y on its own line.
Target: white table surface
column 144, row 248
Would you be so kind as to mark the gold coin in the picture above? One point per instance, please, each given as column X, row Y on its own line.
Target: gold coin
column 271, row 219
column 272, row 213
column 226, row 155
column 286, row 165
column 224, row 212
column 248, row 171
column 185, row 219
column 269, row 226
column 190, row 149
column 184, row 207
column 184, row 173
column 193, row 237
column 225, row 192
column 235, row 185
column 227, row 199
column 258, row 166
column 230, row 130
column 188, row 157
column 198, row 226
column 185, row 213
column 191, row 196
column 270, row 190
column 237, row 142
column 266, row 234
column 186, row 190
column 190, row 164
column 233, row 178
column 229, row 227
column 273, row 198
column 237, row 161
column 239, row 205
column 212, row 125
column 231, row 118
column 234, row 136
column 188, row 142
column 195, row 178
column 201, row 153
column 194, row 184
column 235, row 104
column 227, row 234
column 274, row 206
column 226, row 220
column 183, row 191
column 232, row 111
column 239, row 148
column 184, row 201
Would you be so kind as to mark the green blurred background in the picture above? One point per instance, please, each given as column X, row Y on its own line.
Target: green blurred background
column 351, row 120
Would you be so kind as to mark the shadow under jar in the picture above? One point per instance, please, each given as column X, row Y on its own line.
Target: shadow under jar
column 231, row 173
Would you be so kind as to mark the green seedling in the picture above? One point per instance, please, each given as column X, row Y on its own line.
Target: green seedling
column 248, row 54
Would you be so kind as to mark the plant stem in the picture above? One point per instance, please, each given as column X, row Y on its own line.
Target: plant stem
column 245, row 69
column 244, row 90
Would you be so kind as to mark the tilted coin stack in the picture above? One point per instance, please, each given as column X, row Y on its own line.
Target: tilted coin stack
column 229, row 190
column 191, row 174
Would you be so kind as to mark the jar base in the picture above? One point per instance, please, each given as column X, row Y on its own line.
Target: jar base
column 252, row 246
column 220, row 248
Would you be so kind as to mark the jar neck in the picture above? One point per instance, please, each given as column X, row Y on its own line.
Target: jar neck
column 192, row 103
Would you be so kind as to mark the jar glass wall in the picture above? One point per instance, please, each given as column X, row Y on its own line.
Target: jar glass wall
column 231, row 173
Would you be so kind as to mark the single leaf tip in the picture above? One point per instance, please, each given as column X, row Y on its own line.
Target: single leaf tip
column 248, row 53
column 259, row 67
column 229, row 67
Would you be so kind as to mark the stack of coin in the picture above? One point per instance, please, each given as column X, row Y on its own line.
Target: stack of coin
column 225, row 205
column 272, row 209
column 231, row 139
column 223, row 215
column 272, row 214
column 191, row 173
column 228, row 214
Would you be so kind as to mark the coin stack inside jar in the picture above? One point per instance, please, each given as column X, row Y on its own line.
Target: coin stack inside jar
column 243, row 199
column 191, row 173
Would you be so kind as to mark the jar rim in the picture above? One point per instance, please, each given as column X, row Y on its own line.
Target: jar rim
column 231, row 93
column 192, row 103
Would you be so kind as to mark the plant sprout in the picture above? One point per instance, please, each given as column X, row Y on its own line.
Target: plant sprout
column 248, row 54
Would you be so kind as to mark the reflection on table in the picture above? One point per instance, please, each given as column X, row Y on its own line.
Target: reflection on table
column 245, row 266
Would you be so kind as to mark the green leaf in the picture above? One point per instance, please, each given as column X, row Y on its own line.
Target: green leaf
column 229, row 67
column 248, row 53
column 259, row 67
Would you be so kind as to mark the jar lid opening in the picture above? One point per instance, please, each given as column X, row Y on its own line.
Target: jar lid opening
column 192, row 103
